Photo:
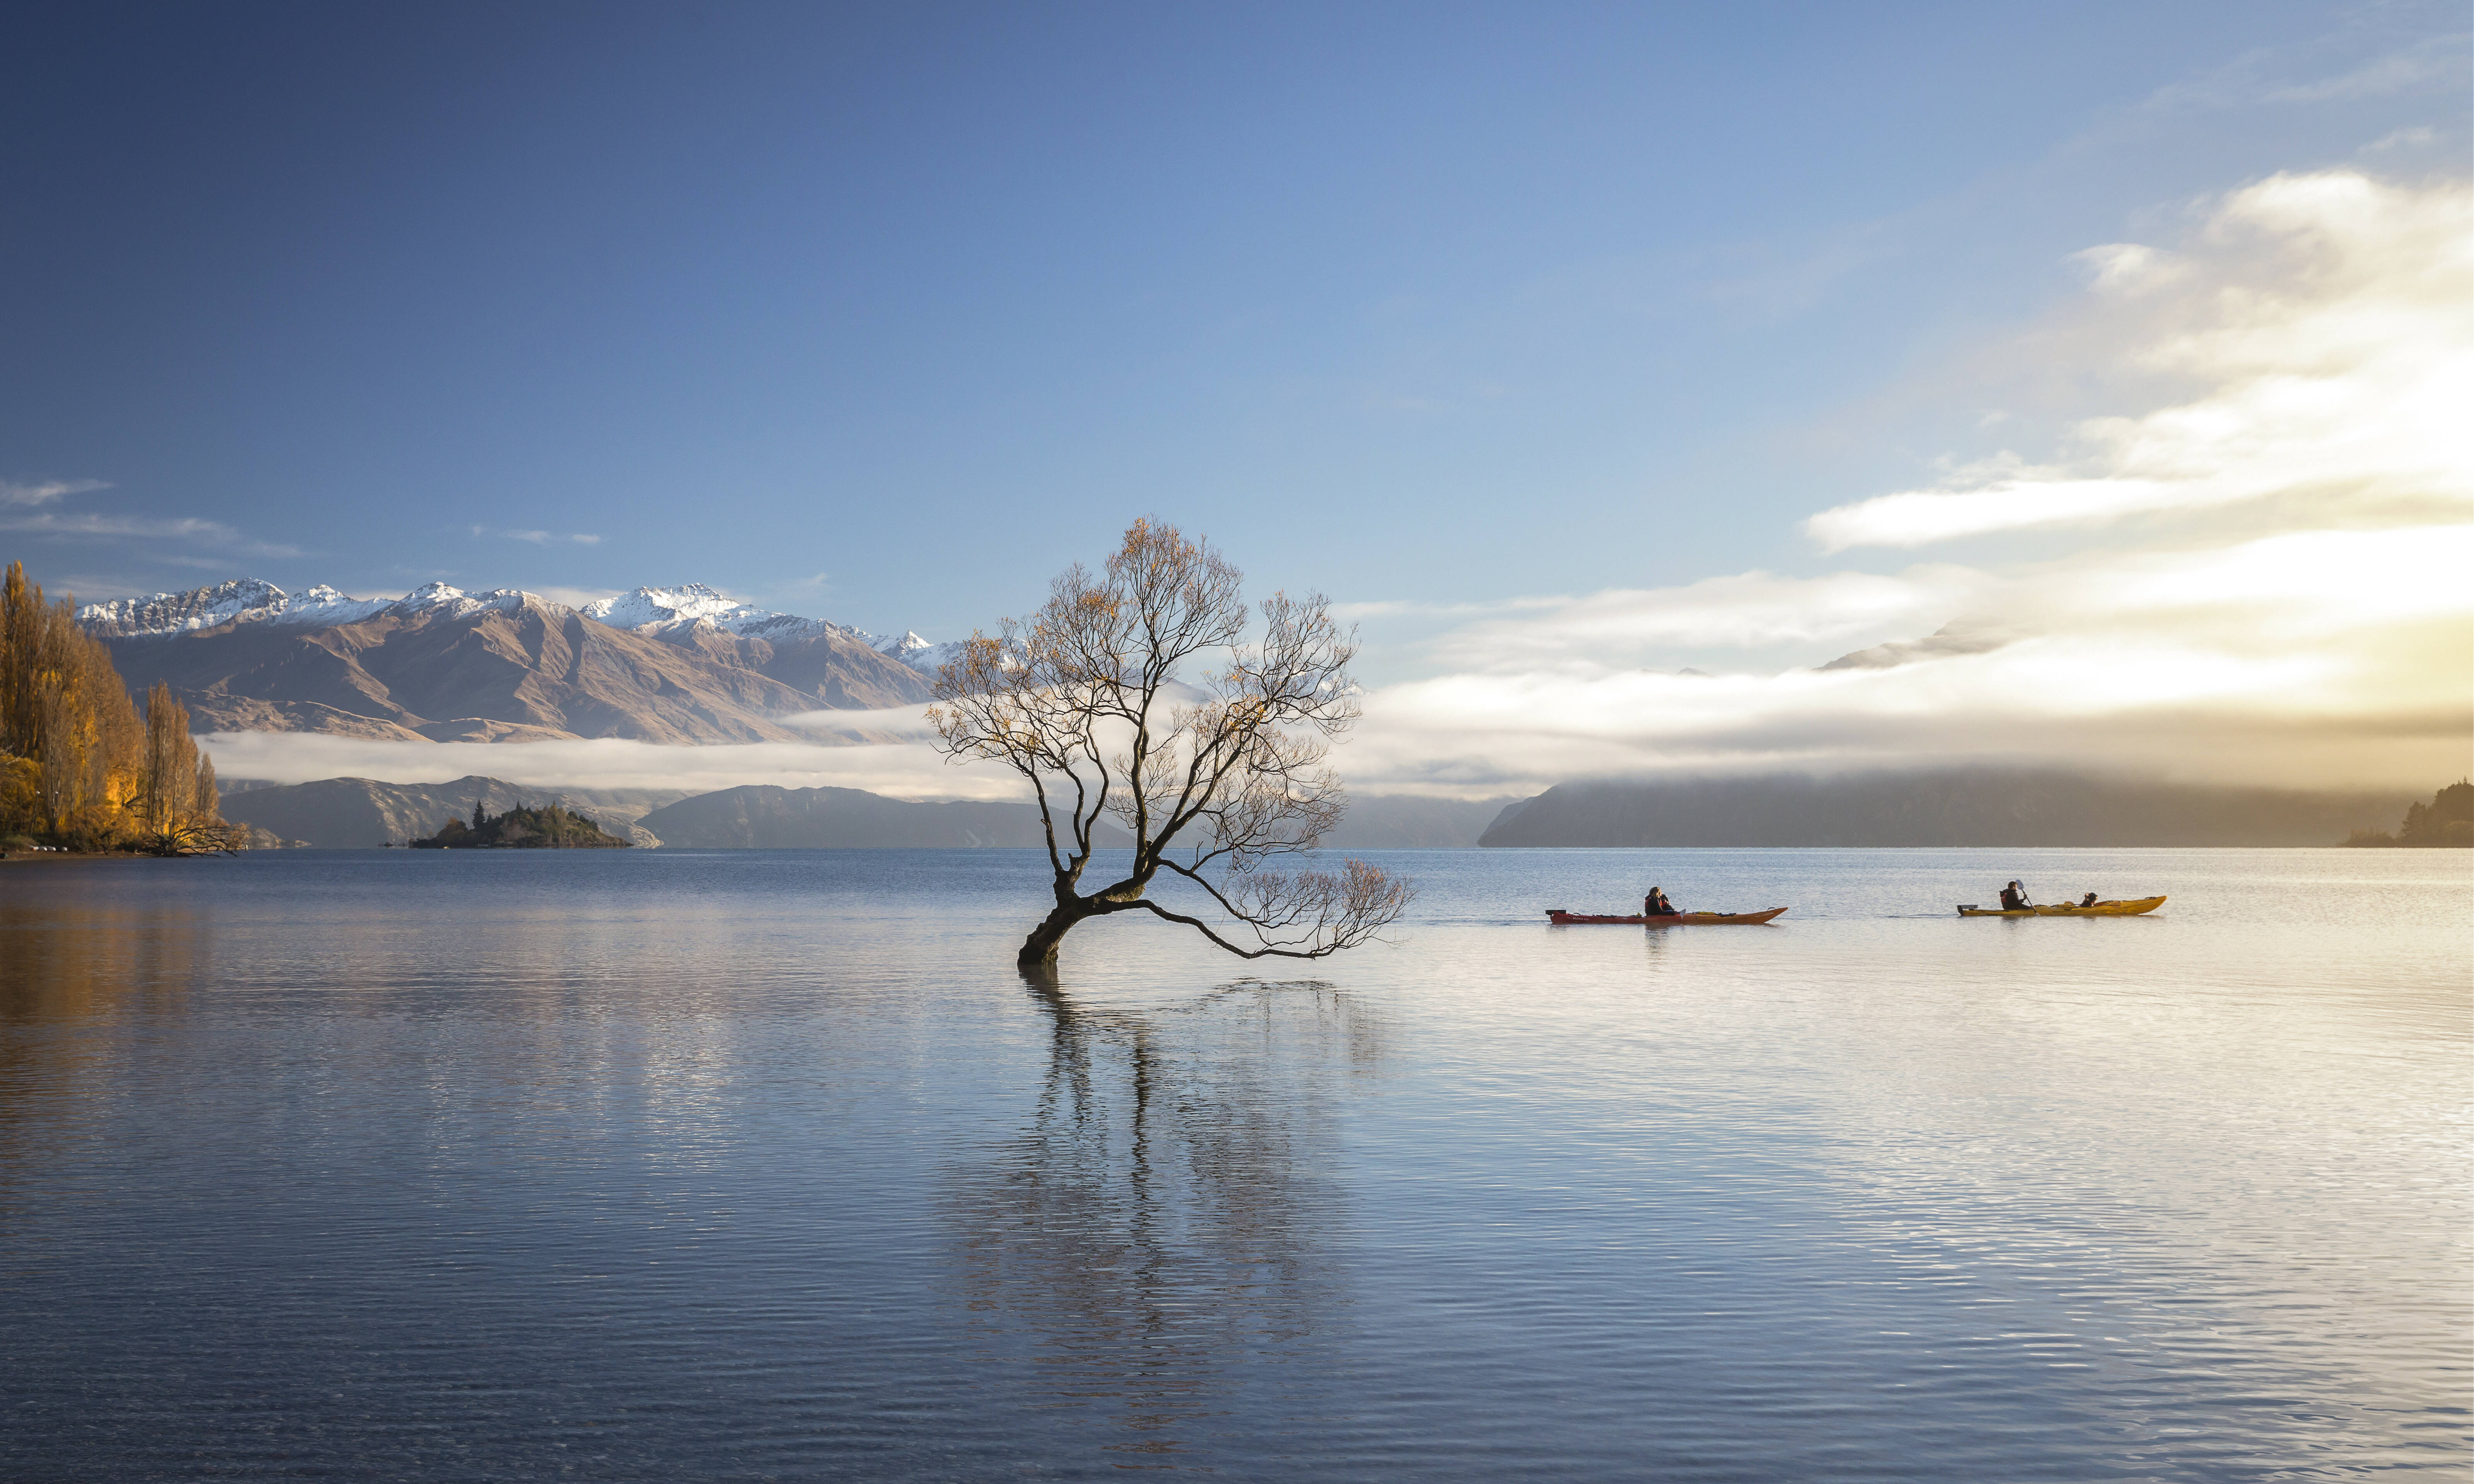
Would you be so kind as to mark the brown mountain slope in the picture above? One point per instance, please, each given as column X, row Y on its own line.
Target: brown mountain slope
column 525, row 670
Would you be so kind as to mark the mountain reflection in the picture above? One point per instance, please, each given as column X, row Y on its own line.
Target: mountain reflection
column 1172, row 1211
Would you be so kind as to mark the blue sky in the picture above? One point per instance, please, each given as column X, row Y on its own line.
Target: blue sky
column 1413, row 303
column 1504, row 325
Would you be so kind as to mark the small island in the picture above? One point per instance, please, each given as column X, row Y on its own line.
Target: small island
column 547, row 827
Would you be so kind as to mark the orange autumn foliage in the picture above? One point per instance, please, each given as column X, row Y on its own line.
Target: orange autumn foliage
column 78, row 765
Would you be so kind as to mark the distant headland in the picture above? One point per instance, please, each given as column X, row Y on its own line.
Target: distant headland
column 2447, row 821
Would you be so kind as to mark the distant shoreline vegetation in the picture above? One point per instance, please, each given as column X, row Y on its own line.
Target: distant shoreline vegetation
column 2447, row 821
column 544, row 827
column 82, row 773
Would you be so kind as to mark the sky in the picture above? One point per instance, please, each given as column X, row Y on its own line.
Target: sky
column 1563, row 347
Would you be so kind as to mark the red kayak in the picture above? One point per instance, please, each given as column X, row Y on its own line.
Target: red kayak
column 1564, row 919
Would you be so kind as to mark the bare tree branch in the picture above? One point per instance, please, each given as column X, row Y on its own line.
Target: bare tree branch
column 1087, row 697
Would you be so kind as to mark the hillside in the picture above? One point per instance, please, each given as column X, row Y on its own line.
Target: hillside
column 1966, row 807
column 448, row 666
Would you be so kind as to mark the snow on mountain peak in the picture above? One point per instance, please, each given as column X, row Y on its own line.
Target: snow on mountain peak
column 646, row 610
column 663, row 610
column 180, row 613
column 924, row 655
column 660, row 609
column 438, row 596
column 250, row 600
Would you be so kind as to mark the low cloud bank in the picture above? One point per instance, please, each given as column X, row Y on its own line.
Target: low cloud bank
column 907, row 771
column 2304, row 659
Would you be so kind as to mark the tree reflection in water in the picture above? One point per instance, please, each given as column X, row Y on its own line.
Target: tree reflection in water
column 70, row 972
column 1167, row 1221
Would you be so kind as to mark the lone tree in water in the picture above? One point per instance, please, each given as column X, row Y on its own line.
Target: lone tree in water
column 1217, row 780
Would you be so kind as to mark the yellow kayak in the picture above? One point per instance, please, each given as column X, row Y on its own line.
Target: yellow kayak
column 2129, row 908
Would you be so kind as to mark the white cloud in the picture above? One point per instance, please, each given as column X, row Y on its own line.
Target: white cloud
column 43, row 492
column 1628, row 627
column 37, row 520
column 2402, row 138
column 2284, row 75
column 2409, row 67
column 537, row 538
column 891, row 723
column 188, row 530
column 2322, row 321
column 897, row 769
column 575, row 597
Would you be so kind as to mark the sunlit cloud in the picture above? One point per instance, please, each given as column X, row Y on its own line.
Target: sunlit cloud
column 2311, row 659
column 2323, row 322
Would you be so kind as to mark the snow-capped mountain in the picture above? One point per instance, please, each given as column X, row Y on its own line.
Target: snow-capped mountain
column 671, row 665
column 671, row 612
column 665, row 610
column 248, row 601
column 660, row 609
column 923, row 655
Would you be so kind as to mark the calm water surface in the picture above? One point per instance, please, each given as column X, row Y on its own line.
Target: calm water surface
column 765, row 1165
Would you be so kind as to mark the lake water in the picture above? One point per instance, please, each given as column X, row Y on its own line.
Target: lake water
column 660, row 1164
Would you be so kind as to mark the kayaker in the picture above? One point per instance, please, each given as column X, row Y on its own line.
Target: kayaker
column 2088, row 900
column 2014, row 898
column 1656, row 903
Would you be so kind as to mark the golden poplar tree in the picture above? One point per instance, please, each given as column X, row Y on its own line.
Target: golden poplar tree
column 75, row 762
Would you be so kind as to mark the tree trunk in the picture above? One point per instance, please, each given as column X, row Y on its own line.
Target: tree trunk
column 1039, row 950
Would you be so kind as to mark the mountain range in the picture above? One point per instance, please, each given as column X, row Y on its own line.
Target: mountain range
column 666, row 665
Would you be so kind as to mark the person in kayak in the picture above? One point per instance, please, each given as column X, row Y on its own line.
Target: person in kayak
column 2088, row 900
column 1656, row 903
column 2014, row 898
